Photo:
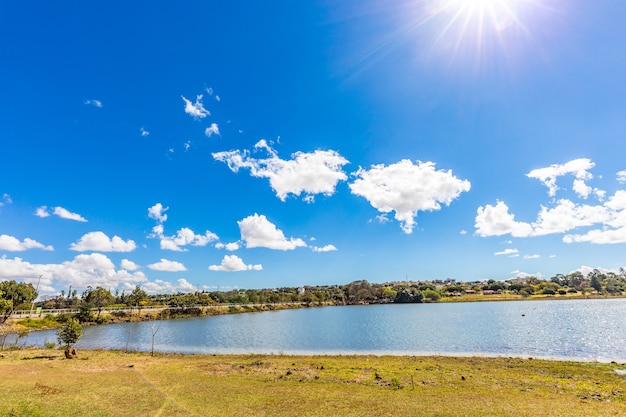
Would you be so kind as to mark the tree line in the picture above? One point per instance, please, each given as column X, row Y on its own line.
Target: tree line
column 91, row 302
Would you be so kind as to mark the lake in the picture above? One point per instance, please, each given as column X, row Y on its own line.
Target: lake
column 561, row 329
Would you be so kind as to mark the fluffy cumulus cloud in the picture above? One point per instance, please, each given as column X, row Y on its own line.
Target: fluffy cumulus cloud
column 212, row 130
column 157, row 212
column 13, row 244
column 621, row 176
column 497, row 221
column 163, row 287
column 258, row 232
column 407, row 188
column 167, row 266
column 233, row 263
column 233, row 246
column 607, row 218
column 42, row 212
column 98, row 241
column 184, row 237
column 129, row 265
column 305, row 174
column 196, row 109
column 93, row 269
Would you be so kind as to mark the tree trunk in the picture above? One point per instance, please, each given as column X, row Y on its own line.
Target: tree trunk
column 70, row 353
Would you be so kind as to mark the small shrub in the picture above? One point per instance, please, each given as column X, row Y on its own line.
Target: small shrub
column 49, row 345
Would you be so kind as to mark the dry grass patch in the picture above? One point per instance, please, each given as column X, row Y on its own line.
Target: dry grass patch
column 103, row 383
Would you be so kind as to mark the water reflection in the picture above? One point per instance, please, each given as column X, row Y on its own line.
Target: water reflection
column 573, row 329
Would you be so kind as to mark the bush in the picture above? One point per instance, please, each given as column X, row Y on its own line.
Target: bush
column 70, row 333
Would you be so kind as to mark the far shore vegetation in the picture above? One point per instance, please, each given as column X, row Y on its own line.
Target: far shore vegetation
column 20, row 313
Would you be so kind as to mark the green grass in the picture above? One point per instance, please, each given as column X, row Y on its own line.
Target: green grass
column 39, row 382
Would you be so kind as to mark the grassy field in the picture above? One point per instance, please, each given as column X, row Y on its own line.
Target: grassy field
column 40, row 382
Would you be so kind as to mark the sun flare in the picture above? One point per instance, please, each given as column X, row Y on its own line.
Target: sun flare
column 476, row 28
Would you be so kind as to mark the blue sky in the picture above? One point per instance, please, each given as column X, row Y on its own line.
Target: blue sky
column 201, row 144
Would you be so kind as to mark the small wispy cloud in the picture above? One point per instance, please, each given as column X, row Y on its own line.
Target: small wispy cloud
column 66, row 214
column 61, row 212
column 508, row 252
column 535, row 256
column 95, row 103
column 6, row 199
column 196, row 109
column 143, row 131
column 327, row 248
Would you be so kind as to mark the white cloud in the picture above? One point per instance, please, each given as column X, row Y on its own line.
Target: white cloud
column 258, row 232
column 233, row 263
column 609, row 219
column 196, row 109
column 497, row 221
column 212, row 130
column 311, row 173
column 406, row 189
column 233, row 246
column 65, row 214
column 577, row 167
column 100, row 242
column 463, row 232
column 520, row 274
column 96, row 103
column 168, row 266
column 185, row 286
column 157, row 212
column 143, row 131
column 567, row 215
column 508, row 252
column 129, row 265
column 6, row 199
column 604, row 236
column 621, row 176
column 42, row 212
column 13, row 244
column 582, row 189
column 532, row 256
column 94, row 269
column 327, row 248
column 184, row 237
column 382, row 218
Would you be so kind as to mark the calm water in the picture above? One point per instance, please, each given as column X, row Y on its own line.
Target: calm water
column 572, row 329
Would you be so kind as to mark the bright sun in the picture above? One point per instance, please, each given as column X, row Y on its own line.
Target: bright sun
column 475, row 26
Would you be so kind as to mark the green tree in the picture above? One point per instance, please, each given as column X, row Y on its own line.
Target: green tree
column 596, row 278
column 136, row 297
column 68, row 335
column 100, row 298
column 13, row 295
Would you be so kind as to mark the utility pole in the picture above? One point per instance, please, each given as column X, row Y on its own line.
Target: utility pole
column 32, row 306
